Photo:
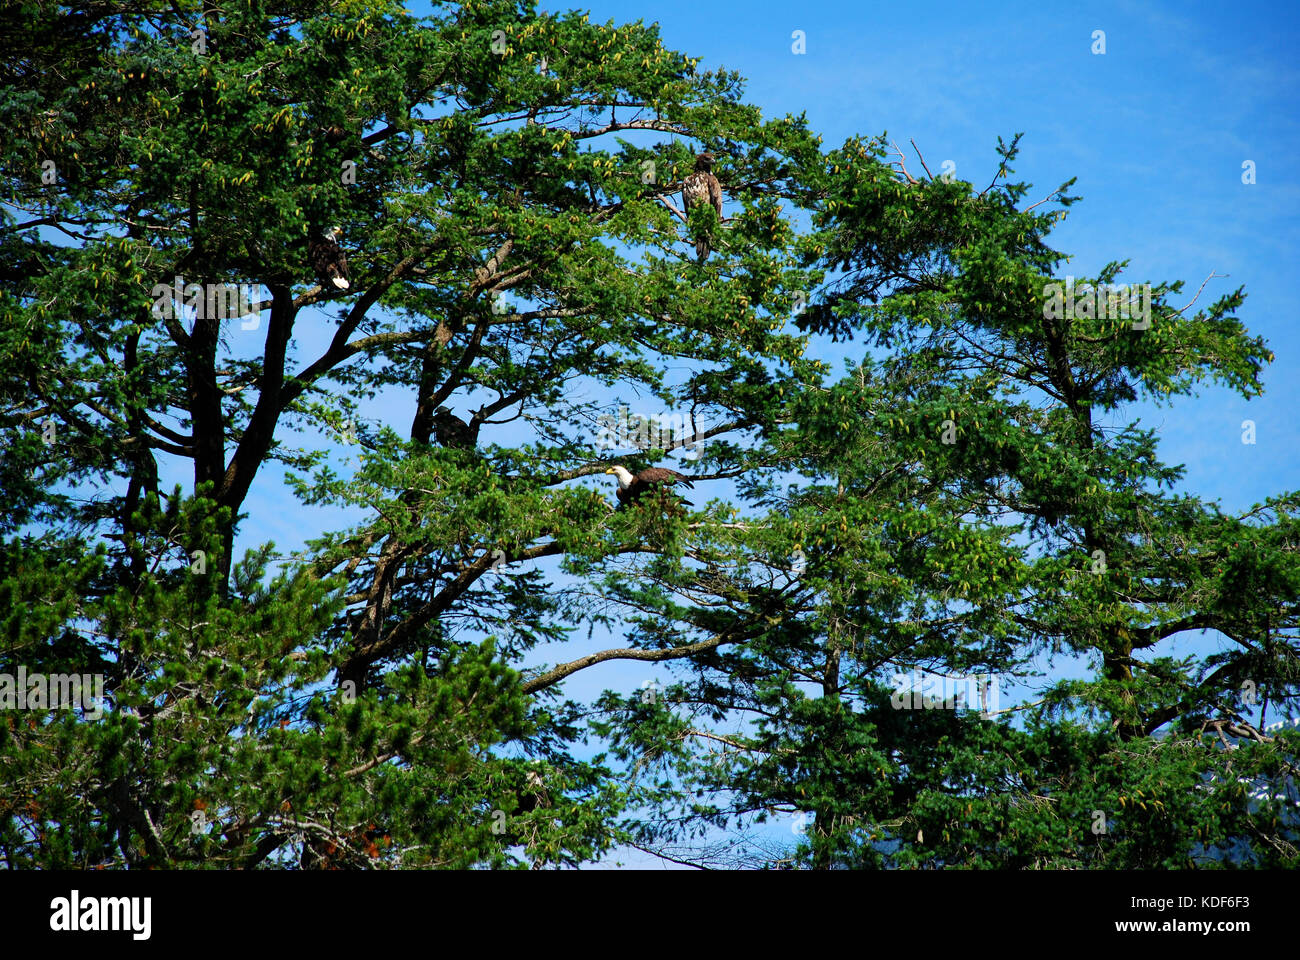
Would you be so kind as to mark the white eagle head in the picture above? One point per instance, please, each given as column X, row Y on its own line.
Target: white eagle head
column 624, row 475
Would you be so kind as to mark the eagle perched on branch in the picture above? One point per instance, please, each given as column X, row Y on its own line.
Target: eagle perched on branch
column 452, row 431
column 702, row 186
column 632, row 487
column 328, row 261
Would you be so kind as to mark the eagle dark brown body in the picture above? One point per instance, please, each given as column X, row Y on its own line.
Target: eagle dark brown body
column 452, row 431
column 328, row 262
column 632, row 487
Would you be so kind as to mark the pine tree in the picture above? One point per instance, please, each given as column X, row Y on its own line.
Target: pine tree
column 960, row 499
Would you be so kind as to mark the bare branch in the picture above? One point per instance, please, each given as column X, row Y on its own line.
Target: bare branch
column 902, row 164
column 921, row 158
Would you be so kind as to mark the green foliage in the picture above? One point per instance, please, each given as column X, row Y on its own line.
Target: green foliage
column 959, row 499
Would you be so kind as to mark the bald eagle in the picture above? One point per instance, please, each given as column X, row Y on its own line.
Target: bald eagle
column 536, row 796
column 632, row 487
column 452, row 431
column 328, row 261
column 702, row 187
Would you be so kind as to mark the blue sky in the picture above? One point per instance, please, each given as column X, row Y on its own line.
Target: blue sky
column 1156, row 129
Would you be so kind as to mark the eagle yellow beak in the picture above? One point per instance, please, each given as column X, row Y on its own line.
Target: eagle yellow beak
column 610, row 470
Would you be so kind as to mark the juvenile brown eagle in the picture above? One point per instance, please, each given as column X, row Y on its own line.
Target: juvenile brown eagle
column 328, row 261
column 631, row 487
column 702, row 186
